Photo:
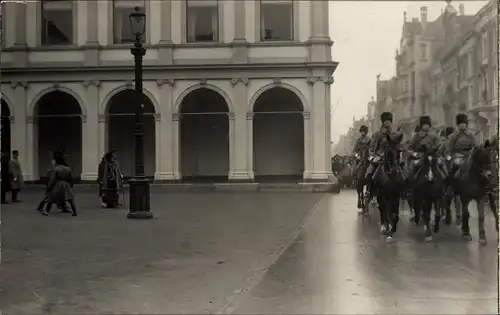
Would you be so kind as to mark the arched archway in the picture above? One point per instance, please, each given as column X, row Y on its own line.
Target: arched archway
column 278, row 135
column 204, row 136
column 120, row 112
column 59, row 121
column 5, row 128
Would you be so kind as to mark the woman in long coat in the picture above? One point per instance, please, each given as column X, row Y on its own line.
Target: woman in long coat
column 110, row 180
column 59, row 189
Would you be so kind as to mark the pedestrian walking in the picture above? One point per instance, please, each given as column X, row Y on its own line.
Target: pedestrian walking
column 59, row 189
column 16, row 176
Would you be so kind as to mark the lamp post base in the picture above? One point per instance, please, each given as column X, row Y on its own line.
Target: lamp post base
column 139, row 198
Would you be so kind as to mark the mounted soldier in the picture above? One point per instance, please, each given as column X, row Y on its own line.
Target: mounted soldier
column 378, row 144
column 423, row 140
column 362, row 147
column 460, row 144
column 360, row 153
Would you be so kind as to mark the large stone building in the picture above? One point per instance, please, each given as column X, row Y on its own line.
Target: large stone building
column 233, row 89
column 444, row 67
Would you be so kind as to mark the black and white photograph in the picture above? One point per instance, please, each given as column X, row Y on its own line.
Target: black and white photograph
column 249, row 157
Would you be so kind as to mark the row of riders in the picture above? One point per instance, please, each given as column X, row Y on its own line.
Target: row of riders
column 429, row 171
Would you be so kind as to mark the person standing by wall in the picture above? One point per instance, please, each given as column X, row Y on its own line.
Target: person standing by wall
column 16, row 176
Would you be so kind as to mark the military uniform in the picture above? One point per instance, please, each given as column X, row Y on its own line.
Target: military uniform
column 379, row 143
column 460, row 144
column 362, row 144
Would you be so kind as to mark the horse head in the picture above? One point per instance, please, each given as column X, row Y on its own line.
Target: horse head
column 481, row 161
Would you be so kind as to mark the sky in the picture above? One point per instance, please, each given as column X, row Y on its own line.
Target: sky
column 366, row 35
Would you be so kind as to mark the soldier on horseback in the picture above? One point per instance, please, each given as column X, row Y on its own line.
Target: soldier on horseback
column 377, row 145
column 423, row 140
column 362, row 146
column 460, row 144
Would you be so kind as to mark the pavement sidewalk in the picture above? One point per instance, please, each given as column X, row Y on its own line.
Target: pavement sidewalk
column 199, row 251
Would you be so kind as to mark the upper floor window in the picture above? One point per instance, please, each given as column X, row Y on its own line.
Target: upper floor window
column 122, row 34
column 202, row 20
column 484, row 44
column 57, row 22
column 276, row 20
column 423, row 50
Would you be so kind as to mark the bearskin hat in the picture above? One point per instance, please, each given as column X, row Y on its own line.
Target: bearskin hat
column 386, row 116
column 449, row 131
column 425, row 120
column 462, row 118
column 363, row 128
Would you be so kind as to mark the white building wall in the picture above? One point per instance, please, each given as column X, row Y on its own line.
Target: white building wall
column 241, row 92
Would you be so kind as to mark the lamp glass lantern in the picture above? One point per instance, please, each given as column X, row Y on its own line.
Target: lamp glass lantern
column 137, row 22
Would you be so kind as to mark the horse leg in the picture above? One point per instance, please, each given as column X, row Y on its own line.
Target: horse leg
column 381, row 208
column 493, row 207
column 417, row 207
column 426, row 212
column 447, row 205
column 458, row 212
column 465, row 218
column 480, row 220
column 395, row 215
column 359, row 190
column 437, row 214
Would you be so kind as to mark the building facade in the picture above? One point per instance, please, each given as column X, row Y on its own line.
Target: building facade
column 445, row 67
column 232, row 89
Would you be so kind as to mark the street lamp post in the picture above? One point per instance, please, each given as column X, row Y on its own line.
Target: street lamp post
column 139, row 184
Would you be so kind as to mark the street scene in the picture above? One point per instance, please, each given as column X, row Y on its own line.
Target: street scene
column 249, row 157
column 246, row 253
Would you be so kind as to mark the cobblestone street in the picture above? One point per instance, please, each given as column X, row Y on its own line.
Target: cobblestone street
column 265, row 253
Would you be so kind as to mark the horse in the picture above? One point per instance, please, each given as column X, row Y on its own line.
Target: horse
column 360, row 171
column 428, row 191
column 388, row 180
column 449, row 197
column 407, row 193
column 473, row 182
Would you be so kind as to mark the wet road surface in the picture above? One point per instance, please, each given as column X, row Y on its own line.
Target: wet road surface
column 339, row 264
column 238, row 253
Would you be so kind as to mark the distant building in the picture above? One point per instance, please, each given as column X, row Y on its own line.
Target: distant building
column 445, row 67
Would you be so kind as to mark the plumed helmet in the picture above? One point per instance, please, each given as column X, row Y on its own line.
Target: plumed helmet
column 425, row 120
column 386, row 116
column 363, row 128
column 449, row 131
column 462, row 118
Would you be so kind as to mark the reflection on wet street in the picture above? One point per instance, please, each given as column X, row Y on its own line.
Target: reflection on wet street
column 340, row 264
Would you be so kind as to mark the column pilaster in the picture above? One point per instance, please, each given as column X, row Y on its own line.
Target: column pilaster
column 92, row 44
column 308, row 152
column 165, row 50
column 176, row 148
column 20, row 47
column 239, row 44
column 90, row 132
column 249, row 151
column 165, row 154
column 320, row 129
column 20, row 137
column 319, row 41
column 102, row 121
column 239, row 169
